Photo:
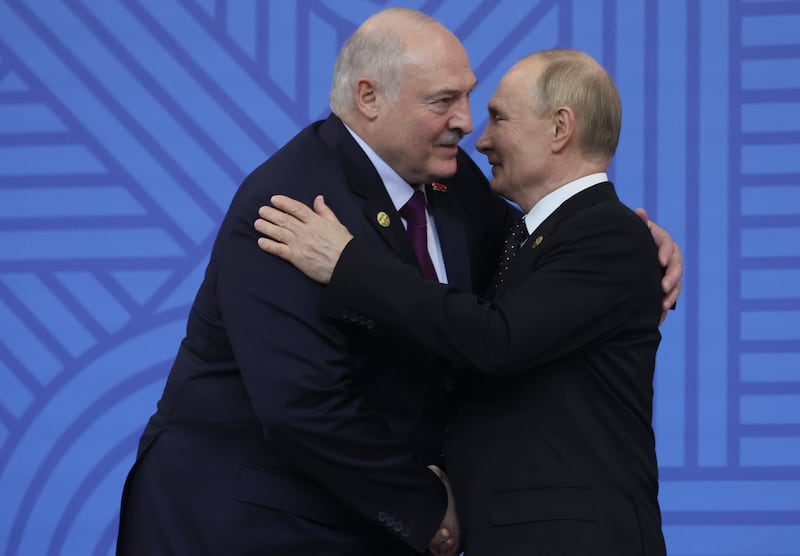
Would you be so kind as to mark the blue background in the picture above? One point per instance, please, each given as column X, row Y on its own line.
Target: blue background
column 125, row 128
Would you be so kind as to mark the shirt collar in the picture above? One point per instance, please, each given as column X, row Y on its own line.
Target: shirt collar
column 397, row 188
column 548, row 204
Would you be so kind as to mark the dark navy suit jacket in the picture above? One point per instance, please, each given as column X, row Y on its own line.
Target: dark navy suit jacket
column 553, row 451
column 284, row 432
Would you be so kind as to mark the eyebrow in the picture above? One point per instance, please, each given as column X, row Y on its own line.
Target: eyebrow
column 445, row 92
column 452, row 92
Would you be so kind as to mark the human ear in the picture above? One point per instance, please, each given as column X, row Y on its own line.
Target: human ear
column 563, row 128
column 367, row 98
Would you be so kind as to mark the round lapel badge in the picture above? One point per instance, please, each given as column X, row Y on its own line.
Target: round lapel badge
column 383, row 219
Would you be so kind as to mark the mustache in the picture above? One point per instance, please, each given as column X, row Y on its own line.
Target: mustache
column 450, row 138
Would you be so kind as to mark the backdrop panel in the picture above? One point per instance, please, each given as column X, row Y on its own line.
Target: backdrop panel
column 126, row 126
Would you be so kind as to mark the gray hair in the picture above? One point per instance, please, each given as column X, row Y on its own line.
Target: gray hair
column 575, row 79
column 375, row 51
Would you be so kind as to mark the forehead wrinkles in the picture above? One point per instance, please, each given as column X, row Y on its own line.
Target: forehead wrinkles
column 429, row 86
column 434, row 49
column 514, row 92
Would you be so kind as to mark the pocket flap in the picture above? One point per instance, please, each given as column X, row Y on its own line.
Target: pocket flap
column 278, row 490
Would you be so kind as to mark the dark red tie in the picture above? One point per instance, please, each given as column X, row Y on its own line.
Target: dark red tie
column 414, row 213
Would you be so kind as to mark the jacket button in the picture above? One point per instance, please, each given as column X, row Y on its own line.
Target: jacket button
column 405, row 532
column 382, row 517
column 390, row 521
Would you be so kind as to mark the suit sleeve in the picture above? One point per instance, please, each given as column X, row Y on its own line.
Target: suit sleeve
column 296, row 369
column 581, row 291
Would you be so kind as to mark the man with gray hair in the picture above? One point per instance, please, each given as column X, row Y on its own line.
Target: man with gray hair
column 281, row 431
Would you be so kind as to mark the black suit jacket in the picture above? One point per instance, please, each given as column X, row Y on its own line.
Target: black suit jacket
column 280, row 431
column 553, row 450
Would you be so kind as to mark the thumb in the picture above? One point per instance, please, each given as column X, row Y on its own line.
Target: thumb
column 642, row 214
column 435, row 468
column 324, row 210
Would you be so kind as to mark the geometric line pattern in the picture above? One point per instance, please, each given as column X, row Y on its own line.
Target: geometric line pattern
column 765, row 218
column 125, row 128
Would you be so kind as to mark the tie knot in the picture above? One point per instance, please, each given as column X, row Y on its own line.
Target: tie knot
column 414, row 210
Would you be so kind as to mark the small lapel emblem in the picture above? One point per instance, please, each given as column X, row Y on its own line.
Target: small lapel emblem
column 436, row 186
column 383, row 219
column 536, row 242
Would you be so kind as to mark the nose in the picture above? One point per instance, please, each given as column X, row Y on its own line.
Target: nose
column 483, row 143
column 461, row 118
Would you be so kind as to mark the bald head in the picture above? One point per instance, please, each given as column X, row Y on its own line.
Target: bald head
column 567, row 77
column 380, row 49
column 402, row 85
column 555, row 117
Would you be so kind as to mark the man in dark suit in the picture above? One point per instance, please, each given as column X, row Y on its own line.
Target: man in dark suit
column 552, row 452
column 278, row 433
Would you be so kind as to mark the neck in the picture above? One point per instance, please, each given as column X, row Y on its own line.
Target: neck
column 557, row 180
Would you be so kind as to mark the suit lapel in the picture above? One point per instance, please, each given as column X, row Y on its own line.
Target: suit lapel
column 379, row 211
column 364, row 181
column 541, row 238
column 443, row 206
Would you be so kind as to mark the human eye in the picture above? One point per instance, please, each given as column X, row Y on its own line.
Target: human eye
column 496, row 116
column 443, row 101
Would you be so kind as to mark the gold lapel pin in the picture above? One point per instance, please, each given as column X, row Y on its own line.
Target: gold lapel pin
column 383, row 219
column 536, row 242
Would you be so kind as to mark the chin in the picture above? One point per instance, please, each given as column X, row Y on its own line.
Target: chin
column 449, row 163
column 442, row 171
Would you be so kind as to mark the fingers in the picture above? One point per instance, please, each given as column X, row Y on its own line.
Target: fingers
column 277, row 217
column 643, row 215
column 291, row 206
column 271, row 224
column 442, row 543
column 446, row 539
column 672, row 296
column 435, row 469
column 666, row 252
column 674, row 264
column 274, row 247
column 442, row 546
column 666, row 245
column 672, row 292
column 287, row 214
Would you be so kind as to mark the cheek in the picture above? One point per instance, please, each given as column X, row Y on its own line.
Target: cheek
column 417, row 133
column 434, row 129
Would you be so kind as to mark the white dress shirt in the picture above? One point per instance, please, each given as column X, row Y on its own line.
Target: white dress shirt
column 400, row 192
column 548, row 204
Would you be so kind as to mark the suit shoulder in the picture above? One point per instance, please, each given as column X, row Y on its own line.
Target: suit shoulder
column 292, row 158
column 609, row 227
column 612, row 214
